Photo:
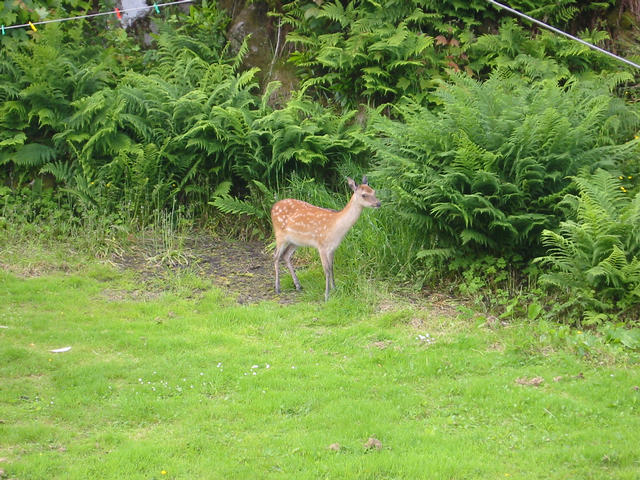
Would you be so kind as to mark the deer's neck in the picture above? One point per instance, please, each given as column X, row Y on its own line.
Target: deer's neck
column 346, row 218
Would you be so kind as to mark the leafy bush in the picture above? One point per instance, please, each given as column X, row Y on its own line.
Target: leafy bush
column 556, row 12
column 13, row 13
column 367, row 50
column 594, row 257
column 170, row 134
column 547, row 55
column 376, row 52
column 168, row 129
column 484, row 174
column 39, row 79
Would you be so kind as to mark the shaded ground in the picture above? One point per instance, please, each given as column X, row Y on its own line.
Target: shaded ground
column 244, row 269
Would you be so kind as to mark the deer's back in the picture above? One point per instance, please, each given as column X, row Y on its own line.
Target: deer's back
column 301, row 222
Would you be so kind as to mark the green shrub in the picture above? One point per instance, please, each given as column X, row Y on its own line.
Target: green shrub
column 485, row 173
column 375, row 52
column 17, row 13
column 169, row 126
column 546, row 55
column 367, row 51
column 594, row 257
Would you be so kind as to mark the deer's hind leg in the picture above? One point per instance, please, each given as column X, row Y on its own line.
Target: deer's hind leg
column 288, row 253
column 284, row 252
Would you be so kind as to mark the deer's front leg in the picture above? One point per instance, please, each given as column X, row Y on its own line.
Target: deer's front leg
column 330, row 258
column 277, row 255
column 327, row 267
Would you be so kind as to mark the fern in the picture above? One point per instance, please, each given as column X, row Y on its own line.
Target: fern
column 32, row 155
column 488, row 171
column 62, row 172
column 332, row 11
column 375, row 51
column 597, row 257
column 229, row 205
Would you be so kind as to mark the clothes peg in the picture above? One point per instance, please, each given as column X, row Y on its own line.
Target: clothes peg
column 33, row 27
column 3, row 29
column 155, row 5
column 118, row 13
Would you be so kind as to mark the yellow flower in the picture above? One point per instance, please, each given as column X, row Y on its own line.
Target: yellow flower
column 620, row 177
column 163, row 472
column 629, row 177
column 623, row 189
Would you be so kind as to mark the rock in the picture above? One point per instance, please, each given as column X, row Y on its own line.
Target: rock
column 248, row 18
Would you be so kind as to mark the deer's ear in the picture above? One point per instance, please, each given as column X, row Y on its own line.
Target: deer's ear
column 364, row 180
column 352, row 184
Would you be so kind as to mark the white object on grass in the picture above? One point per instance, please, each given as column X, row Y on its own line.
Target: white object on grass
column 60, row 350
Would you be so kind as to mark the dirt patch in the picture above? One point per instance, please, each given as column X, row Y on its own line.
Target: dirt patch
column 35, row 269
column 243, row 269
column 530, row 382
column 381, row 344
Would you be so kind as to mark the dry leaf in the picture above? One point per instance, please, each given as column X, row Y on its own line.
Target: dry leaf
column 531, row 382
column 382, row 344
column 373, row 443
column 441, row 40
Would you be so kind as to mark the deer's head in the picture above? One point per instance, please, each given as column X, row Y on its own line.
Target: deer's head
column 363, row 194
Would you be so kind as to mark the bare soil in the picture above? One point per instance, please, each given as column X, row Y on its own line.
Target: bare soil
column 244, row 269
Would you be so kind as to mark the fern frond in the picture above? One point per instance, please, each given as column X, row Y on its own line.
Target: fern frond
column 334, row 12
column 233, row 206
column 62, row 171
column 32, row 155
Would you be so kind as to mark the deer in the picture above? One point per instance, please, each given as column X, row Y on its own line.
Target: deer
column 300, row 224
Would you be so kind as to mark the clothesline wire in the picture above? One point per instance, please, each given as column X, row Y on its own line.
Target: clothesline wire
column 92, row 15
column 177, row 2
column 560, row 32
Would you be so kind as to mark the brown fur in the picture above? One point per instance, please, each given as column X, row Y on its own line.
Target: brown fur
column 300, row 224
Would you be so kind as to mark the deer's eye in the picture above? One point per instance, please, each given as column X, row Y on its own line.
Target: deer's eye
column 364, row 195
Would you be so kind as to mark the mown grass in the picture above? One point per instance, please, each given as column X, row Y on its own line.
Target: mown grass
column 165, row 384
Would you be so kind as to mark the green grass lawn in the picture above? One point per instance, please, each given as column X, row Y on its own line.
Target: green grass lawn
column 176, row 385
